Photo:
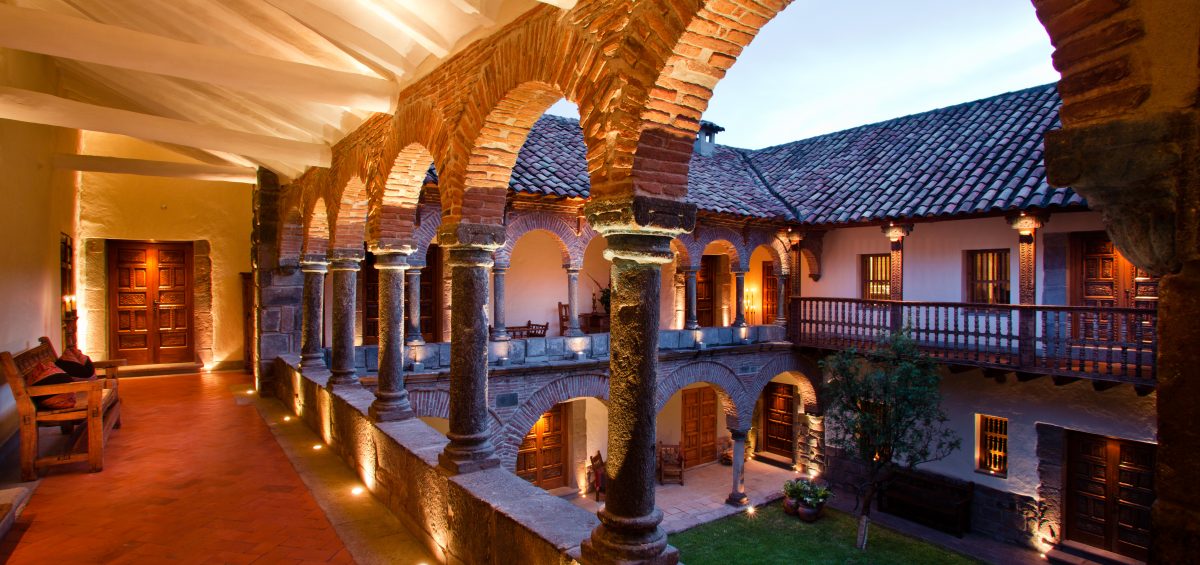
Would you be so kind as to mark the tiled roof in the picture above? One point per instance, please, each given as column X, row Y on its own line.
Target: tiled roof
column 979, row 157
column 974, row 158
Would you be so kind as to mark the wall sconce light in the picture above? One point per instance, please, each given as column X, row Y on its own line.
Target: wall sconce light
column 417, row 366
column 698, row 335
column 1026, row 224
column 502, row 352
column 794, row 237
column 578, row 348
column 895, row 232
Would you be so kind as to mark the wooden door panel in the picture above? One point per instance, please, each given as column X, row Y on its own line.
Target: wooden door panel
column 151, row 293
column 1110, row 489
column 706, row 281
column 542, row 455
column 778, row 419
column 770, row 292
column 130, row 270
column 698, row 437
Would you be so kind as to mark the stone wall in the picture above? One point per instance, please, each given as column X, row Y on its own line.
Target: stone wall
column 278, row 288
column 480, row 517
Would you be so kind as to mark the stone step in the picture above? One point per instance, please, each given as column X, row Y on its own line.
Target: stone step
column 566, row 493
column 1073, row 553
column 162, row 369
column 12, row 502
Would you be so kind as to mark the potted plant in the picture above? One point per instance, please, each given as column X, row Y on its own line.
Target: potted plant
column 792, row 491
column 812, row 500
column 605, row 295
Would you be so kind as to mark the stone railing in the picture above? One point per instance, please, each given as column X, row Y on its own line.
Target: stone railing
column 434, row 357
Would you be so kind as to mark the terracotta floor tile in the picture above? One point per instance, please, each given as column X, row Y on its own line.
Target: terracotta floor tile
column 191, row 477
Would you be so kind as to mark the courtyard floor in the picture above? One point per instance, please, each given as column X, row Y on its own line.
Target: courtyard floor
column 195, row 476
column 702, row 498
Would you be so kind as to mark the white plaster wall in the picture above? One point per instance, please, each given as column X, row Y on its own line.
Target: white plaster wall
column 934, row 270
column 536, row 282
column 754, row 284
column 39, row 204
column 669, row 423
column 134, row 207
column 1117, row 412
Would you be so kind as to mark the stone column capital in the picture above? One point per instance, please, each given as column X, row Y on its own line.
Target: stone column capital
column 640, row 215
column 343, row 264
column 314, row 267
column 643, row 248
column 501, row 267
column 402, row 248
column 391, row 260
column 896, row 232
column 573, row 270
column 1026, row 222
column 485, row 237
column 738, row 435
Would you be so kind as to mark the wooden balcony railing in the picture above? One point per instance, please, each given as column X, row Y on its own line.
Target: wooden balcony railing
column 1112, row 344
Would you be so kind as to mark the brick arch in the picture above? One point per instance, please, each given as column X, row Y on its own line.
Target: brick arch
column 685, row 256
column 291, row 230
column 392, row 209
column 794, row 363
column 730, row 241
column 730, row 389
column 434, row 403
column 767, row 239
column 525, row 222
column 316, row 231
column 508, row 437
column 349, row 220
column 424, row 235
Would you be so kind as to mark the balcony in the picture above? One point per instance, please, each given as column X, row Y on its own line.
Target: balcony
column 1107, row 345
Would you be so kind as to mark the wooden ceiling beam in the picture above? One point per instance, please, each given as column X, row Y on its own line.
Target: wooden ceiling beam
column 194, row 171
column 564, row 4
column 346, row 36
column 39, row 108
column 84, row 40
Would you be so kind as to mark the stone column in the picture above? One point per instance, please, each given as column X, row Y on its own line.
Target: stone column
column 345, row 281
column 573, row 303
column 639, row 232
column 739, row 318
column 311, row 355
column 737, row 497
column 690, row 320
column 499, row 330
column 781, row 301
column 391, row 398
column 413, row 332
column 470, row 256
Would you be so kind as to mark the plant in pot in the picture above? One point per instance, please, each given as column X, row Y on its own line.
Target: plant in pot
column 792, row 491
column 812, row 500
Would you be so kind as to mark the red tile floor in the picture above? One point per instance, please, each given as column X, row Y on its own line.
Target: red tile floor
column 192, row 477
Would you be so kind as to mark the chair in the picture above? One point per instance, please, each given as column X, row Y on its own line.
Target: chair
column 564, row 317
column 670, row 463
column 97, row 407
column 530, row 329
column 599, row 478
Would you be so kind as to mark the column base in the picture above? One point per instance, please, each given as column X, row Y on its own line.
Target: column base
column 573, row 332
column 628, row 541
column 312, row 361
column 692, row 326
column 341, row 379
column 416, row 341
column 467, row 454
column 457, row 466
column 390, row 411
column 737, row 499
column 500, row 335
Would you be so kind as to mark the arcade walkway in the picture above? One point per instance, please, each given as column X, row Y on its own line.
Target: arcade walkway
column 194, row 476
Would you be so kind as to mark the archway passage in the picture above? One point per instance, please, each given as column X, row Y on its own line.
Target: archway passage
column 542, row 456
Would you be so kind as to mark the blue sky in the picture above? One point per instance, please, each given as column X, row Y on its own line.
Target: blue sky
column 824, row 66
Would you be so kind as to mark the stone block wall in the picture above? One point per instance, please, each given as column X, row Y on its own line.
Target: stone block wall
column 481, row 517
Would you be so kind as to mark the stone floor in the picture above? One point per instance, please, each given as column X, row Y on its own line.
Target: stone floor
column 702, row 498
column 193, row 476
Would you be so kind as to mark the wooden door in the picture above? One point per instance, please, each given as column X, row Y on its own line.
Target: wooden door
column 770, row 292
column 1108, row 280
column 370, row 301
column 431, row 295
column 706, row 291
column 699, row 438
column 778, row 419
column 1110, row 488
column 542, row 455
column 150, row 293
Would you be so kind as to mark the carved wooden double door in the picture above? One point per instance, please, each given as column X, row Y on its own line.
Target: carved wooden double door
column 542, row 455
column 150, row 302
column 1109, row 491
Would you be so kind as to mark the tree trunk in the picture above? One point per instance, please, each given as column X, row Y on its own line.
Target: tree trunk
column 864, row 518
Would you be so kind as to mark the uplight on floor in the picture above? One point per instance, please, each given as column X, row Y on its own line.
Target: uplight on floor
column 316, row 446
column 356, row 491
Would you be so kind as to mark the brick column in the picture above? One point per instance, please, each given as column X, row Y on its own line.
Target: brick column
column 312, row 358
column 345, row 283
column 737, row 496
column 739, row 318
column 691, row 322
column 639, row 232
column 470, row 256
column 499, row 330
column 391, row 398
column 573, row 303
column 413, row 334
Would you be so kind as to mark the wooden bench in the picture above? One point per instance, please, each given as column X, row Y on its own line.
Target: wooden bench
column 97, row 408
column 939, row 502
column 530, row 329
column 671, row 463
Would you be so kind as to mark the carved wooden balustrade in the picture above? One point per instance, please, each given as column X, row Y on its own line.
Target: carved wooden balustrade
column 1105, row 344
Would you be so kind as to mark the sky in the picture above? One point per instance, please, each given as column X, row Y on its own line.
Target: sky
column 825, row 66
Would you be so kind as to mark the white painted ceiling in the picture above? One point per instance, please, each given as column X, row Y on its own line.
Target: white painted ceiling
column 396, row 40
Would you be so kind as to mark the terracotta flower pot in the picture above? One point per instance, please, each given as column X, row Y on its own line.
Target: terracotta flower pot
column 790, row 505
column 809, row 513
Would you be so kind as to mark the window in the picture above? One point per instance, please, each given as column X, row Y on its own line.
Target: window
column 987, row 276
column 877, row 277
column 992, row 449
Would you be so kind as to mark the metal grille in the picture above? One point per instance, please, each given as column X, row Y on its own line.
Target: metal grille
column 993, row 445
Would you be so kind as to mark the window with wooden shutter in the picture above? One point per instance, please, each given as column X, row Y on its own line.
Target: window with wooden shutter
column 992, row 450
column 987, row 276
column 877, row 277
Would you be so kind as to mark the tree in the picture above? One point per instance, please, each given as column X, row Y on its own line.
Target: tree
column 884, row 409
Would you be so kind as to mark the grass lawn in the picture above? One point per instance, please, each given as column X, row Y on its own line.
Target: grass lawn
column 770, row 536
